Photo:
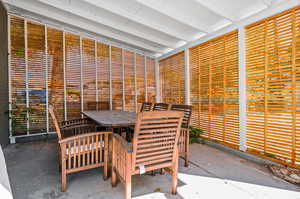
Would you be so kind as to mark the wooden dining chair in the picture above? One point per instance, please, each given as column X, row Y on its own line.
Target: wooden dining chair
column 160, row 107
column 146, row 106
column 184, row 144
column 154, row 146
column 80, row 147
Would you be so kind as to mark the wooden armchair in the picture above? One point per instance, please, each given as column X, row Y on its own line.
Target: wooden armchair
column 79, row 149
column 154, row 146
column 160, row 107
column 146, row 106
column 184, row 138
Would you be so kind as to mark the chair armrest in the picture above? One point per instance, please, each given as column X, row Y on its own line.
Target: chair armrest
column 77, row 137
column 127, row 146
column 76, row 122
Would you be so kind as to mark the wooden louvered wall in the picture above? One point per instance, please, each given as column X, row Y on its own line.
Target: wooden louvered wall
column 273, row 82
column 214, row 88
column 129, row 81
column 151, row 87
column 49, row 66
column 172, row 79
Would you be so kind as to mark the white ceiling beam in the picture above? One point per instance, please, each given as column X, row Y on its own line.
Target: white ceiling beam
column 215, row 10
column 34, row 7
column 199, row 26
column 107, row 5
column 95, row 17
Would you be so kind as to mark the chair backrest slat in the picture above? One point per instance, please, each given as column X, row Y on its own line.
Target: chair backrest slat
column 56, row 124
column 187, row 109
column 146, row 106
column 160, row 107
column 155, row 138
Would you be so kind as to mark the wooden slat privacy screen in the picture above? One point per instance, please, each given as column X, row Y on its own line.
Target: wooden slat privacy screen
column 49, row 66
column 171, row 72
column 273, row 82
column 214, row 88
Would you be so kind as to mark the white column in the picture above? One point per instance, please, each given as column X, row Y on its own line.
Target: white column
column 46, row 78
column 65, row 80
column 26, row 72
column 157, row 81
column 187, row 76
column 81, row 76
column 123, row 81
column 242, row 89
column 110, row 80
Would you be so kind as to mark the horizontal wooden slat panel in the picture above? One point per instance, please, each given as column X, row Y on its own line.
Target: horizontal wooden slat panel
column 214, row 88
column 117, row 80
column 172, row 79
column 36, row 77
column 18, row 76
column 140, row 80
column 73, row 75
column 129, row 81
column 272, row 65
column 56, row 72
column 151, row 87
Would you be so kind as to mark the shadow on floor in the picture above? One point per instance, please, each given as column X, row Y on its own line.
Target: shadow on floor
column 33, row 171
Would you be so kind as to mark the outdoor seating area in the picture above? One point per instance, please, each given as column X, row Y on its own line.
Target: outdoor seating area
column 149, row 99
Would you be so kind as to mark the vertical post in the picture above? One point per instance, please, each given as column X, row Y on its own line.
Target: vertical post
column 110, row 80
column 81, row 76
column 46, row 79
column 242, row 89
column 96, row 65
column 123, row 81
column 135, row 85
column 145, row 79
column 65, row 82
column 12, row 140
column 187, row 76
column 157, row 81
column 26, row 73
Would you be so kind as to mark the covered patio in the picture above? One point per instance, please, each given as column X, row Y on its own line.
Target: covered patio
column 212, row 173
column 95, row 92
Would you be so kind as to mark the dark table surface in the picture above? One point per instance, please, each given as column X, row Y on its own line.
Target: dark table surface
column 112, row 119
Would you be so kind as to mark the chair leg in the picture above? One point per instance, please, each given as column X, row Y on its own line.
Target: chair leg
column 113, row 178
column 63, row 180
column 186, row 149
column 162, row 171
column 128, row 188
column 106, row 152
column 174, row 182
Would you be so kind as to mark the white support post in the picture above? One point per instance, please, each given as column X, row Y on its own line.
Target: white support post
column 145, row 78
column 157, row 81
column 81, row 76
column 135, row 85
column 110, row 80
column 12, row 140
column 123, row 81
column 187, row 76
column 26, row 73
column 46, row 79
column 96, row 65
column 242, row 89
column 65, row 82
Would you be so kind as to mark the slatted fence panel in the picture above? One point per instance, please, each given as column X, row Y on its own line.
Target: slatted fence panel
column 151, row 87
column 36, row 77
column 140, row 80
column 103, row 72
column 89, row 72
column 55, row 73
column 18, row 76
column 272, row 47
column 172, row 79
column 73, row 75
column 129, row 81
column 117, row 80
column 214, row 88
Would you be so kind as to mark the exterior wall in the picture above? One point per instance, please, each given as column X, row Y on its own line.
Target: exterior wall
column 4, row 140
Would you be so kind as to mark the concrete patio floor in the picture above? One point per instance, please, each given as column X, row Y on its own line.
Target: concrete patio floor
column 34, row 174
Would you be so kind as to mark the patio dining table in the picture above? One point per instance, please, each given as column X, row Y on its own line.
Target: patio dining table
column 112, row 119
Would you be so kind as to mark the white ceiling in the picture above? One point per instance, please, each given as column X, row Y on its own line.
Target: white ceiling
column 154, row 26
